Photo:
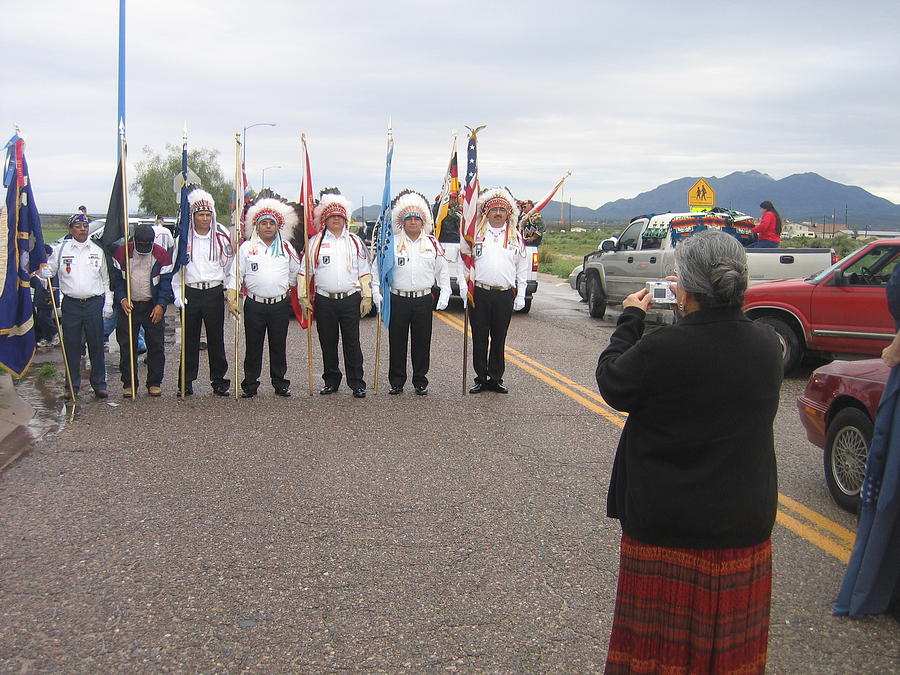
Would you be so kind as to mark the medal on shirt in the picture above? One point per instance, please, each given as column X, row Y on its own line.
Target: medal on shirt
column 68, row 263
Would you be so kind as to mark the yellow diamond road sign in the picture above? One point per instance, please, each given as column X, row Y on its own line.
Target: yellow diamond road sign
column 701, row 194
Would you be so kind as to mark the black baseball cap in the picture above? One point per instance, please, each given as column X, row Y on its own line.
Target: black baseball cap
column 143, row 238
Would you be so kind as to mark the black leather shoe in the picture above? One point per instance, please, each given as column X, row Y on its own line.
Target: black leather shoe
column 359, row 393
column 189, row 391
column 477, row 389
column 396, row 390
column 422, row 390
column 248, row 394
column 218, row 391
column 283, row 392
column 327, row 389
column 499, row 388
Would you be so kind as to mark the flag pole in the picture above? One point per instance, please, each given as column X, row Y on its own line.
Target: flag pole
column 127, row 259
column 182, row 368
column 467, row 222
column 305, row 195
column 237, row 218
column 385, row 222
column 62, row 342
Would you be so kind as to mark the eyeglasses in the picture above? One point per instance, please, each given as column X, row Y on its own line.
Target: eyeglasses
column 78, row 226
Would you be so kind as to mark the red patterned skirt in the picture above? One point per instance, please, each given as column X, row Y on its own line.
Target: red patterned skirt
column 681, row 610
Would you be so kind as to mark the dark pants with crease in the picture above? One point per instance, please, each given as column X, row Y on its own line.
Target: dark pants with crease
column 262, row 321
column 206, row 306
column 334, row 318
column 410, row 324
column 154, row 335
column 490, row 318
column 82, row 324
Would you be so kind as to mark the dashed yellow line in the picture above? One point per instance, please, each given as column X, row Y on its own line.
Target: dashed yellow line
column 812, row 526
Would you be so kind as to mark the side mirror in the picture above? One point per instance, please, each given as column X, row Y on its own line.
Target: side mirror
column 607, row 245
column 838, row 277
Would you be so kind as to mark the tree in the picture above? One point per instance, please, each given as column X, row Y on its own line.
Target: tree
column 154, row 174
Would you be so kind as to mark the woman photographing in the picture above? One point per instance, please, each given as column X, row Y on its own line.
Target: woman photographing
column 694, row 481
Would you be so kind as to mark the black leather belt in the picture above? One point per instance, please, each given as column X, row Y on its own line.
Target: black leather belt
column 267, row 301
column 93, row 297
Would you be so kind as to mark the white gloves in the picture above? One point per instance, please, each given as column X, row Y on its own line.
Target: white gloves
column 178, row 303
column 443, row 299
column 519, row 303
column 107, row 310
column 376, row 298
column 464, row 296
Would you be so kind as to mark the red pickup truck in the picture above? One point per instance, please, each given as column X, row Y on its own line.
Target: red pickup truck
column 840, row 310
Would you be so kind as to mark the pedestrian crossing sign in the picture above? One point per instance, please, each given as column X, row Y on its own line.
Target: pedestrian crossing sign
column 701, row 195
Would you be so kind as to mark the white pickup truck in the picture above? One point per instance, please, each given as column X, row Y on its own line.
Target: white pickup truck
column 645, row 251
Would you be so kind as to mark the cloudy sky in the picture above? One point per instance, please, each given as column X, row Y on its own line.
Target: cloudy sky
column 626, row 94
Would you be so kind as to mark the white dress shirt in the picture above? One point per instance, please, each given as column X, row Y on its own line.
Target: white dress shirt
column 81, row 267
column 418, row 265
column 499, row 265
column 340, row 262
column 265, row 273
column 202, row 269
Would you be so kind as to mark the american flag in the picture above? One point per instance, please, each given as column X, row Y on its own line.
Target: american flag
column 469, row 219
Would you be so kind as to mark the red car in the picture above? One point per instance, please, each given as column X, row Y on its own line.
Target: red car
column 840, row 310
column 838, row 409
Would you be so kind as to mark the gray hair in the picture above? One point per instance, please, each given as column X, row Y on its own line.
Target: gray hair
column 712, row 266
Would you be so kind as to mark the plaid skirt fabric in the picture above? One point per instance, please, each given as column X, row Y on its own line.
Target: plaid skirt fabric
column 691, row 610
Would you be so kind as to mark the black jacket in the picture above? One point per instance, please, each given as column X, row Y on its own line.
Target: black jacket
column 695, row 465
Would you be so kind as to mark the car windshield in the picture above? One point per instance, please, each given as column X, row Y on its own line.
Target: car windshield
column 819, row 276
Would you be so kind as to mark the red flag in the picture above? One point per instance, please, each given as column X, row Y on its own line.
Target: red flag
column 546, row 200
column 309, row 208
column 469, row 219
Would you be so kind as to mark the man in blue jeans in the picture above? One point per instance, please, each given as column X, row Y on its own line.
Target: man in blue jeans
column 80, row 265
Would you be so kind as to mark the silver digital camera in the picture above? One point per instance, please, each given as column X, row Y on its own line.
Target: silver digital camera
column 661, row 292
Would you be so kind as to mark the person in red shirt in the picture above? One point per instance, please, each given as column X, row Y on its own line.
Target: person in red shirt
column 768, row 231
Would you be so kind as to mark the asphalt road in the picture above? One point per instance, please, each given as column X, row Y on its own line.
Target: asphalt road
column 390, row 534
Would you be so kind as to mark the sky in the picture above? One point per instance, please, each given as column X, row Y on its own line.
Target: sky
column 627, row 95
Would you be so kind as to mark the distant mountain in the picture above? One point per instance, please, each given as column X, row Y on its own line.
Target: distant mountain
column 802, row 197
column 799, row 198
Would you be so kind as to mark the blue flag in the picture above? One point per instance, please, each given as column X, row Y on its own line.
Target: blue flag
column 184, row 213
column 385, row 254
column 25, row 255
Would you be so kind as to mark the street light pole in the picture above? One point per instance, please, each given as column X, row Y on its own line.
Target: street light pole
column 244, row 140
column 264, row 174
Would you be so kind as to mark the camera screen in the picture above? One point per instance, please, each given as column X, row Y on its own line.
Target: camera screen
column 659, row 293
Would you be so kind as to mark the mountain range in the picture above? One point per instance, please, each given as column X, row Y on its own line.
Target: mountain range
column 801, row 197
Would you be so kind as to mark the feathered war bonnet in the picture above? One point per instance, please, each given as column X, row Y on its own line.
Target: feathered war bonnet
column 411, row 203
column 270, row 206
column 200, row 200
column 498, row 197
column 332, row 203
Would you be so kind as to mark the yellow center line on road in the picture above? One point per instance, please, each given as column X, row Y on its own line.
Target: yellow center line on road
column 829, row 536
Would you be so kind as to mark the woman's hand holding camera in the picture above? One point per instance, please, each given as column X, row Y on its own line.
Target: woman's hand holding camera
column 641, row 300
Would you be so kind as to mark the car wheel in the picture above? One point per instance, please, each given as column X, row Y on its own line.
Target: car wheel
column 526, row 308
column 596, row 298
column 846, row 451
column 579, row 284
column 791, row 350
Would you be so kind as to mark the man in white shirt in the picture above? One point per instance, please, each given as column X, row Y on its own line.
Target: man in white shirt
column 339, row 265
column 419, row 265
column 86, row 300
column 500, row 279
column 268, row 266
column 208, row 273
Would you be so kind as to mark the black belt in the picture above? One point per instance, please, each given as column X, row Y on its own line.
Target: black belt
column 93, row 297
column 412, row 294
column 267, row 301
column 204, row 285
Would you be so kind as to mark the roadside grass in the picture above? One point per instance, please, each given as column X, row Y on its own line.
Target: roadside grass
column 561, row 252
column 48, row 370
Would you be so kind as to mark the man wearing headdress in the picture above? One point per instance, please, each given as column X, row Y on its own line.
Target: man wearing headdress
column 150, row 270
column 419, row 265
column 207, row 274
column 500, row 277
column 268, row 266
column 532, row 227
column 86, row 301
column 339, row 263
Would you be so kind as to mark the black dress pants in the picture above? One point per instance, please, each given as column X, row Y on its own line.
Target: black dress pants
column 154, row 335
column 340, row 317
column 490, row 318
column 410, row 324
column 82, row 323
column 206, row 306
column 262, row 320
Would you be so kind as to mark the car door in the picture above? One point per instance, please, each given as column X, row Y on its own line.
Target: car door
column 619, row 264
column 853, row 316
